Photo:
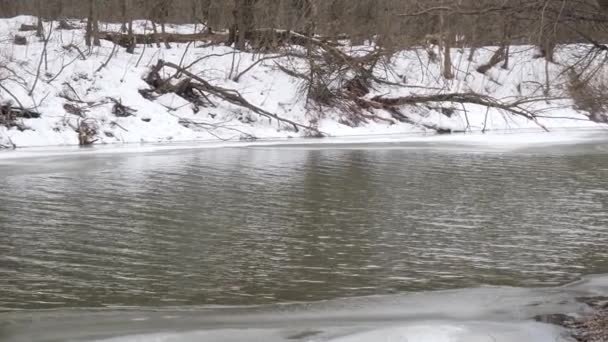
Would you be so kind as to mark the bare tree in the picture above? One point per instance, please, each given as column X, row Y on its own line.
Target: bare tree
column 92, row 30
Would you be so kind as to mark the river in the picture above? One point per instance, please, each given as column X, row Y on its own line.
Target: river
column 278, row 229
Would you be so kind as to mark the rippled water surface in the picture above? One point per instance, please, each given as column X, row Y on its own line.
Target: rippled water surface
column 274, row 225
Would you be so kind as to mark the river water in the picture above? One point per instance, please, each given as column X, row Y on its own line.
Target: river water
column 261, row 228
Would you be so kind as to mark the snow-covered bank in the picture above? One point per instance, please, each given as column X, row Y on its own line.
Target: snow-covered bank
column 70, row 78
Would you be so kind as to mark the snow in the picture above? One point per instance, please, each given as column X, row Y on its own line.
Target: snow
column 484, row 314
column 460, row 332
column 418, row 332
column 265, row 86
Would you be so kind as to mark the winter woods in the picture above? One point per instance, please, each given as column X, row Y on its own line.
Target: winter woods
column 479, row 22
column 359, row 62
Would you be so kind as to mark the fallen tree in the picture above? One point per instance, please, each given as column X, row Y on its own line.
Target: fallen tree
column 127, row 41
column 392, row 105
column 515, row 108
column 186, row 88
column 336, row 79
column 259, row 39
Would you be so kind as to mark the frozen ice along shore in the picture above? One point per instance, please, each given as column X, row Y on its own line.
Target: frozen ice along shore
column 486, row 314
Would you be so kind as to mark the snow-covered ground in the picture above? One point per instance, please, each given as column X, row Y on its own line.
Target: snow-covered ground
column 170, row 118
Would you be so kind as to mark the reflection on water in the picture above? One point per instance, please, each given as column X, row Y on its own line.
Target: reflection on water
column 255, row 226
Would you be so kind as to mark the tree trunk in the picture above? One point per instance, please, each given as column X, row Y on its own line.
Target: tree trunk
column 448, row 73
column 243, row 16
column 92, row 32
column 310, row 15
column 448, row 40
column 163, row 30
column 89, row 31
column 506, row 41
column 240, row 25
column 124, row 9
column 95, row 17
column 155, row 31
column 39, row 26
column 131, row 47
column 232, row 32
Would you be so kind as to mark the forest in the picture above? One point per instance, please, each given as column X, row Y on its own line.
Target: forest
column 399, row 22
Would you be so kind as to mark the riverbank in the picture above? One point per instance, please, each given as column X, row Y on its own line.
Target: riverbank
column 590, row 326
column 508, row 141
column 102, row 95
column 593, row 329
column 486, row 314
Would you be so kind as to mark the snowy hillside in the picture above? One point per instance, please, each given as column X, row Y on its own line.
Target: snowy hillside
column 99, row 90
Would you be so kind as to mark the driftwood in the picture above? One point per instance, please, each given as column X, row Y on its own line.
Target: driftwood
column 228, row 95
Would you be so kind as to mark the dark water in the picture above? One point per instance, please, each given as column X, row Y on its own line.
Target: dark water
column 274, row 225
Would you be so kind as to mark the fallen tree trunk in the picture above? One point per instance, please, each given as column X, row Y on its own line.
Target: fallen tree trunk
column 331, row 64
column 398, row 115
column 273, row 38
column 126, row 40
column 229, row 95
column 462, row 98
column 259, row 38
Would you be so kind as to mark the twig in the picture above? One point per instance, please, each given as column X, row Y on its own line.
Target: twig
column 253, row 65
column 105, row 64
column 63, row 66
column 73, row 46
